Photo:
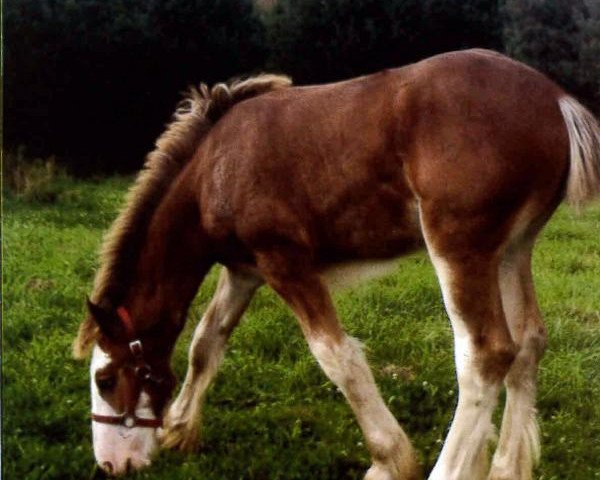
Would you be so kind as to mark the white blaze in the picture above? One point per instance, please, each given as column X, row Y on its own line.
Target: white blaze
column 116, row 444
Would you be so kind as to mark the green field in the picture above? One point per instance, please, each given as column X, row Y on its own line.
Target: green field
column 272, row 414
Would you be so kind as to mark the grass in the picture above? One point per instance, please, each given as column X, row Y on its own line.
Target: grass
column 272, row 414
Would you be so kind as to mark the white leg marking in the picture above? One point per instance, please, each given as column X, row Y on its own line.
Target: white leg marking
column 464, row 455
column 114, row 444
column 346, row 366
column 207, row 349
column 519, row 445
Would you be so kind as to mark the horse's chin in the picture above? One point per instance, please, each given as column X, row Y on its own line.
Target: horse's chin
column 131, row 465
column 119, row 451
column 119, row 467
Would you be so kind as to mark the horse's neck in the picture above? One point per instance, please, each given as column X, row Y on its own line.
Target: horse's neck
column 171, row 263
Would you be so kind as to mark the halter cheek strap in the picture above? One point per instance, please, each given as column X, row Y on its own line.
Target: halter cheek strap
column 126, row 319
column 142, row 370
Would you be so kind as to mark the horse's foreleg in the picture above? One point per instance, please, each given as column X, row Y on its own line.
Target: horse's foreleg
column 342, row 359
column 233, row 294
column 519, row 445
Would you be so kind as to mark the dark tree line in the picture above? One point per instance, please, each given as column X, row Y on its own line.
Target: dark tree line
column 560, row 38
column 318, row 41
column 93, row 81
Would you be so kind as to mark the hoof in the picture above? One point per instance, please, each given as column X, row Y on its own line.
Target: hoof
column 503, row 475
column 179, row 436
column 398, row 469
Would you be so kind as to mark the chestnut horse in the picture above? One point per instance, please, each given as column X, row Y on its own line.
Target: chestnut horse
column 466, row 153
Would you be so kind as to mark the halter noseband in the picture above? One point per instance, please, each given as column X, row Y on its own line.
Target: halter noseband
column 142, row 370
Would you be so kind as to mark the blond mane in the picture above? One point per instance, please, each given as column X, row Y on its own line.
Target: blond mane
column 193, row 118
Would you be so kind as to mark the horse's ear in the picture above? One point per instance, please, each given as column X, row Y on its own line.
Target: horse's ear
column 106, row 320
column 86, row 337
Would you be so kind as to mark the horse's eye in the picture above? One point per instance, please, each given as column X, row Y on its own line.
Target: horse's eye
column 106, row 383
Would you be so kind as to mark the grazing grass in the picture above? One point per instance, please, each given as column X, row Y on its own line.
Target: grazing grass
column 272, row 414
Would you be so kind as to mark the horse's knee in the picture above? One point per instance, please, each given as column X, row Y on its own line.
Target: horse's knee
column 341, row 360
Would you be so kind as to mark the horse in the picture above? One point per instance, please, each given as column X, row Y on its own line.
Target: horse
column 466, row 154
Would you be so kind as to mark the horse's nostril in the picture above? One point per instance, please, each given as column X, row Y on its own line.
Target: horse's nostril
column 107, row 466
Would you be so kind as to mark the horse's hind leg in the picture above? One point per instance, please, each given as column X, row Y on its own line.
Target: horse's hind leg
column 467, row 265
column 342, row 359
column 519, row 445
column 233, row 294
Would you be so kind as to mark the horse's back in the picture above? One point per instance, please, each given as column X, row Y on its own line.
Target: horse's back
column 342, row 167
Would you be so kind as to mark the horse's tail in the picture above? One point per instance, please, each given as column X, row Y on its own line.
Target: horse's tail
column 583, row 183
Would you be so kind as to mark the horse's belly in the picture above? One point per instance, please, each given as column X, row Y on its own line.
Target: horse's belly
column 373, row 230
column 348, row 274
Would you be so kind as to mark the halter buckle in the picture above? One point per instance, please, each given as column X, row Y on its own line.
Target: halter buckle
column 135, row 346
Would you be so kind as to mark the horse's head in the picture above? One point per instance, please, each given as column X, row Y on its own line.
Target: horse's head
column 131, row 383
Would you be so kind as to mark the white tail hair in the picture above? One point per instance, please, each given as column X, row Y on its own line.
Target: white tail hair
column 583, row 183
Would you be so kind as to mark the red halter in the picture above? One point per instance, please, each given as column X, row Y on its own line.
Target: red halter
column 142, row 370
column 126, row 319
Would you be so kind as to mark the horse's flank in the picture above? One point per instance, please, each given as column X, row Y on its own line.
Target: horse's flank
column 339, row 170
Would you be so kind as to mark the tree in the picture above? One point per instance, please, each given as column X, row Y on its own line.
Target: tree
column 559, row 37
column 318, row 40
column 587, row 19
column 93, row 81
